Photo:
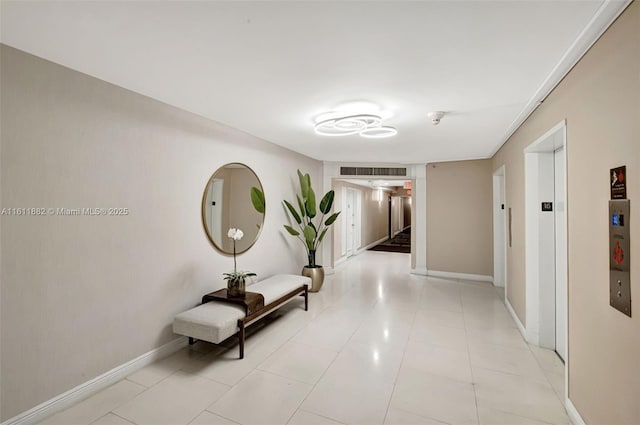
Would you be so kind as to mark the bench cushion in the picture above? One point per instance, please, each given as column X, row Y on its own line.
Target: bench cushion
column 213, row 322
column 278, row 285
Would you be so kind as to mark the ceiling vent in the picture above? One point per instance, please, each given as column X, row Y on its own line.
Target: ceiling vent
column 372, row 171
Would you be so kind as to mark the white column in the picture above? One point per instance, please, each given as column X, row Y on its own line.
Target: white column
column 419, row 219
column 326, row 257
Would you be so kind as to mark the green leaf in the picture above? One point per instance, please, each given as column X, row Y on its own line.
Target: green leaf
column 324, row 232
column 304, row 184
column 293, row 212
column 309, row 236
column 291, row 230
column 310, row 203
column 331, row 219
column 314, row 226
column 327, row 202
column 257, row 199
column 301, row 205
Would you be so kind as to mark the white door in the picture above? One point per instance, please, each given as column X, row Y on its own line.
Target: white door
column 499, row 230
column 396, row 209
column 561, row 252
column 216, row 210
column 350, row 221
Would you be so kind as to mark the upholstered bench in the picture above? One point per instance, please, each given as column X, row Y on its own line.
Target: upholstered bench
column 215, row 322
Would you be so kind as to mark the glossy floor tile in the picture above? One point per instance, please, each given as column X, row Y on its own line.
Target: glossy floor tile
column 302, row 417
column 111, row 419
column 157, row 371
column 98, row 405
column 518, row 395
column 262, row 397
column 444, row 399
column 355, row 402
column 400, row 417
column 299, row 362
column 208, row 418
column 377, row 346
column 437, row 360
column 176, row 400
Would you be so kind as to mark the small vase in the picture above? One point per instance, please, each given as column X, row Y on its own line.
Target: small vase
column 236, row 288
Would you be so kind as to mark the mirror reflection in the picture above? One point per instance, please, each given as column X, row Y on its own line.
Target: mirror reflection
column 234, row 198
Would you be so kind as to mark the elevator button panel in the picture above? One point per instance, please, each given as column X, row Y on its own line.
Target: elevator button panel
column 619, row 270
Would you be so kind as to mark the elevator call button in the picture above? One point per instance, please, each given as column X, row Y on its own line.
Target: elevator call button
column 619, row 269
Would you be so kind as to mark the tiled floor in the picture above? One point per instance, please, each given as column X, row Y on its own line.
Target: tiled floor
column 378, row 346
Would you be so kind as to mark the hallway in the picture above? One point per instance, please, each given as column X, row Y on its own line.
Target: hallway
column 378, row 346
column 399, row 243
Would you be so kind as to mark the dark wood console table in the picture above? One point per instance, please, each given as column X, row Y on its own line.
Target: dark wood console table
column 251, row 302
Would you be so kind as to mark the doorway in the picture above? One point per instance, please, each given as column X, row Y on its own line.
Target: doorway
column 352, row 221
column 396, row 216
column 214, row 198
column 546, row 240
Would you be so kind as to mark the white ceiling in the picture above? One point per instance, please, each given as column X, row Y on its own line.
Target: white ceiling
column 270, row 68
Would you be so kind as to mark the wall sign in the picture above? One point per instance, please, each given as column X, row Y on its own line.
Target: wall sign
column 618, row 180
column 547, row 206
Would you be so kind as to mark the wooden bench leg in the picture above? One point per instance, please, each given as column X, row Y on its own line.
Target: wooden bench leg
column 241, row 337
column 192, row 340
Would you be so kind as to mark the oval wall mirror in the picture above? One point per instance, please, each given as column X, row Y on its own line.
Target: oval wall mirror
column 234, row 198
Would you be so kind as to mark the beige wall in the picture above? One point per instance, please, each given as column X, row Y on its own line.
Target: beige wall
column 374, row 216
column 459, row 217
column 600, row 100
column 81, row 295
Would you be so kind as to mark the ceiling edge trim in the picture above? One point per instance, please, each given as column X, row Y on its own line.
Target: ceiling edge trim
column 599, row 23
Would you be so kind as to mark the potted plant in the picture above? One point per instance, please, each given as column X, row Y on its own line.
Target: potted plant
column 309, row 233
column 236, row 280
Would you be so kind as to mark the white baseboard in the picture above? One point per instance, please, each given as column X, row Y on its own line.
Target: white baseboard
column 521, row 328
column 82, row 391
column 344, row 258
column 465, row 276
column 422, row 271
column 574, row 416
column 340, row 261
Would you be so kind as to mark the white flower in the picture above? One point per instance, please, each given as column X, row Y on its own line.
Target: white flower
column 235, row 234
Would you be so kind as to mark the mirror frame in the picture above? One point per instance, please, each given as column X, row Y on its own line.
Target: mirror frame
column 203, row 210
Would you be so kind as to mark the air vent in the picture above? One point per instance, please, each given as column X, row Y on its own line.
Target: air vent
column 372, row 171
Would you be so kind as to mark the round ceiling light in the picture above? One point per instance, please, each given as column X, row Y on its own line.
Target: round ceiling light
column 358, row 121
column 328, row 128
column 367, row 125
column 379, row 132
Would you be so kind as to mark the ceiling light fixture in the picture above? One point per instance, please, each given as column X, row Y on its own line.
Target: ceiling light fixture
column 379, row 132
column 366, row 125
